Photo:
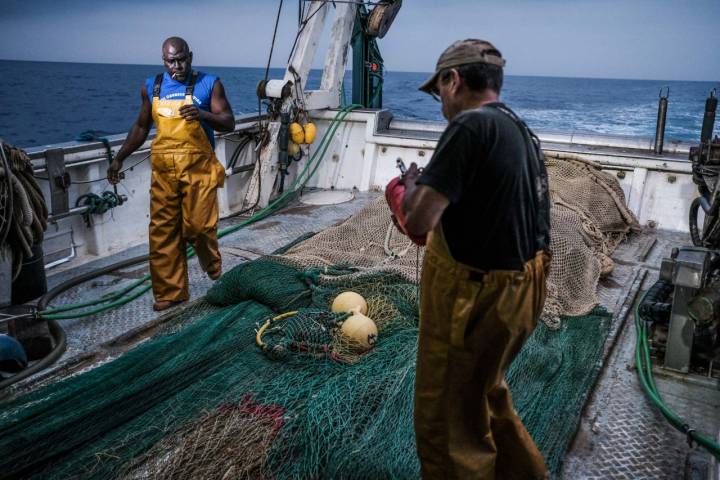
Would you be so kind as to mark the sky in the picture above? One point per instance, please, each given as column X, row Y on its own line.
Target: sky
column 634, row 39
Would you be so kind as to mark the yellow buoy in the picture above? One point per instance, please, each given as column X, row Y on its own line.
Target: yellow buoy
column 349, row 302
column 293, row 149
column 297, row 134
column 310, row 132
column 360, row 330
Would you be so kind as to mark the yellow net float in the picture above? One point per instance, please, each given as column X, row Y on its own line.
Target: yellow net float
column 310, row 132
column 349, row 302
column 297, row 134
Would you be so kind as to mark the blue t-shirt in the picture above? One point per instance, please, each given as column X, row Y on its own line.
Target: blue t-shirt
column 171, row 89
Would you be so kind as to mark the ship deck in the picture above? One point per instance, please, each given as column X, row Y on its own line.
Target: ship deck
column 620, row 434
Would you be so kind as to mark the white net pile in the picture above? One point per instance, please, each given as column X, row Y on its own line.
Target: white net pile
column 589, row 219
column 368, row 240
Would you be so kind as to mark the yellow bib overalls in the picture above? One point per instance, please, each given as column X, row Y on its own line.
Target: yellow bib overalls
column 183, row 199
column 472, row 325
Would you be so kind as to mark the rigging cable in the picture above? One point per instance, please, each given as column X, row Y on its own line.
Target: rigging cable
column 302, row 27
column 272, row 45
column 78, row 182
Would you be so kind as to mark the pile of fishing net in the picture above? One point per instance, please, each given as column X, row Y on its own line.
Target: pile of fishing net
column 202, row 399
column 588, row 216
column 588, row 220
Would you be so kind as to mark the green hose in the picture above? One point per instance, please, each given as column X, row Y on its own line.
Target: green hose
column 119, row 298
column 644, row 370
column 105, row 298
column 100, row 309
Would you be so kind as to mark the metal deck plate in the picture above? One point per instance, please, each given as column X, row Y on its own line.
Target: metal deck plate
column 87, row 334
column 622, row 435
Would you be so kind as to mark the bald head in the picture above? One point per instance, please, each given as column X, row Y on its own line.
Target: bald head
column 177, row 58
column 175, row 43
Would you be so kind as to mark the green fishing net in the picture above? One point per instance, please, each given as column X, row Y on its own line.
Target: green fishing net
column 204, row 401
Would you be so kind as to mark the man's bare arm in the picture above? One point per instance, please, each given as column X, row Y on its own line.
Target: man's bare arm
column 423, row 205
column 136, row 137
column 220, row 117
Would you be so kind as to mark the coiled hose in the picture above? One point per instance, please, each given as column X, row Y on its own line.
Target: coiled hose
column 55, row 329
column 692, row 223
column 27, row 213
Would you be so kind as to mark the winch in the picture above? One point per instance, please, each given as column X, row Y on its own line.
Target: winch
column 705, row 159
column 683, row 307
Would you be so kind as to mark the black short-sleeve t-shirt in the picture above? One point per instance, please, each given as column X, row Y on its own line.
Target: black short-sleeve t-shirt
column 488, row 166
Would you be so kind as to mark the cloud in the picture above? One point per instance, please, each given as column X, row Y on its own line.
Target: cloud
column 591, row 38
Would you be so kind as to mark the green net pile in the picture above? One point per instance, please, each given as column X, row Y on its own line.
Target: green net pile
column 207, row 399
column 204, row 401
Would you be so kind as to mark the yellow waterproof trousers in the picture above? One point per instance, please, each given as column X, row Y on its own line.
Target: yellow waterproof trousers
column 183, row 200
column 472, row 325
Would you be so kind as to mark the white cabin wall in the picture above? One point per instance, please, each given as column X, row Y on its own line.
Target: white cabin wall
column 666, row 201
column 358, row 158
column 658, row 189
column 127, row 225
column 343, row 163
column 122, row 227
column 658, row 199
column 233, row 195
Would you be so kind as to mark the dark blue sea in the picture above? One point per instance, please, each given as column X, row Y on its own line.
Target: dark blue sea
column 42, row 102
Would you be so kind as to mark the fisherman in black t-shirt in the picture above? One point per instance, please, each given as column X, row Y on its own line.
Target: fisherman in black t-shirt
column 482, row 207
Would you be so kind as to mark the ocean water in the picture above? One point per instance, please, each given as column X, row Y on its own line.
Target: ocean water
column 43, row 102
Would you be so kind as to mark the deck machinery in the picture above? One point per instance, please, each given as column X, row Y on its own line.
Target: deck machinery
column 683, row 307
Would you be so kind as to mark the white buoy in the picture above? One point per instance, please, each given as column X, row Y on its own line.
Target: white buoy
column 360, row 330
column 349, row 302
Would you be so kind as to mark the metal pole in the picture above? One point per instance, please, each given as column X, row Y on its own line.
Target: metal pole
column 708, row 124
column 661, row 118
column 69, row 213
column 360, row 55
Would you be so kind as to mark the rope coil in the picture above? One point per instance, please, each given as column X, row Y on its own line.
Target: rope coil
column 97, row 204
column 25, row 213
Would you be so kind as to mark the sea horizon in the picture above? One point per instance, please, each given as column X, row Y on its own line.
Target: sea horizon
column 350, row 70
column 51, row 102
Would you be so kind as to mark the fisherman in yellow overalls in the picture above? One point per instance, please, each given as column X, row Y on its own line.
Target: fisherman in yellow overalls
column 482, row 207
column 186, row 107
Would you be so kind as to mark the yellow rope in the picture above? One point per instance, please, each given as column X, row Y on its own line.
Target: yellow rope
column 261, row 331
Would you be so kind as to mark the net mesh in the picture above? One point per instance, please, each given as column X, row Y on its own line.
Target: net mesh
column 588, row 219
column 231, row 441
column 369, row 241
column 202, row 400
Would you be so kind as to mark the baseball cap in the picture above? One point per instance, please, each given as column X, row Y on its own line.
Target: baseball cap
column 464, row 52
